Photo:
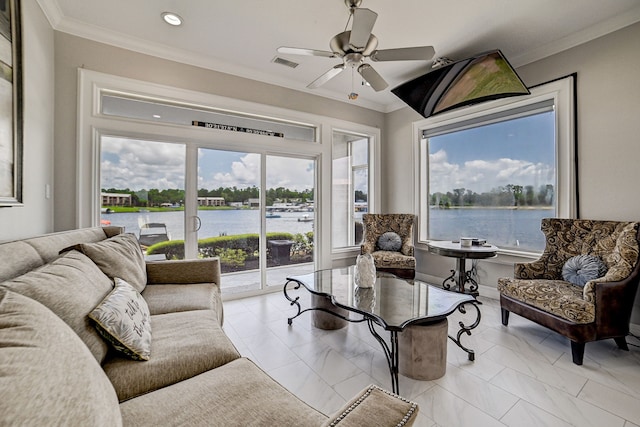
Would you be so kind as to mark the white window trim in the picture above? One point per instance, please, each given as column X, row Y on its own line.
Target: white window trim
column 91, row 124
column 562, row 93
column 375, row 179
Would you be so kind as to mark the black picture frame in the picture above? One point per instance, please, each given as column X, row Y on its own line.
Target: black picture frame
column 11, row 119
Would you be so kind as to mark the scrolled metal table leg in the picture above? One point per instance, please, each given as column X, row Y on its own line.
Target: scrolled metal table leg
column 467, row 329
column 452, row 279
column 390, row 353
column 293, row 301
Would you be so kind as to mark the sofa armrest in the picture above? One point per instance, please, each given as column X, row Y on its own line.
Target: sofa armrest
column 374, row 407
column 205, row 270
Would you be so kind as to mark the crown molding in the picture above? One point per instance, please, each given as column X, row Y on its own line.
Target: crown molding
column 595, row 31
column 52, row 11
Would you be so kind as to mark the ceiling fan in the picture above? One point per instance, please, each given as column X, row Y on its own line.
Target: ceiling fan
column 356, row 45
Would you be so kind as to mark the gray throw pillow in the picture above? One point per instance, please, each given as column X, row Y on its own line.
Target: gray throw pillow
column 119, row 256
column 582, row 268
column 390, row 241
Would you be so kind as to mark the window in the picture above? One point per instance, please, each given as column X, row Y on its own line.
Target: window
column 350, row 199
column 495, row 173
column 264, row 172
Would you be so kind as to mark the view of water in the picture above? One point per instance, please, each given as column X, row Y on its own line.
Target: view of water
column 214, row 222
column 507, row 228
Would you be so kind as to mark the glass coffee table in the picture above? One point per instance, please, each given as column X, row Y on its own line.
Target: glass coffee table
column 392, row 303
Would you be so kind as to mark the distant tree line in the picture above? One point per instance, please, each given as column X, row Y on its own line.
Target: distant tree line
column 155, row 197
column 509, row 195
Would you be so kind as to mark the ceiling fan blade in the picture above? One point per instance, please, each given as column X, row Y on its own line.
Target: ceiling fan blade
column 363, row 20
column 404, row 54
column 306, row 52
column 326, row 76
column 372, row 77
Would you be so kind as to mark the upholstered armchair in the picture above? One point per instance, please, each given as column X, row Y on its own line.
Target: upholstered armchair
column 600, row 255
column 389, row 239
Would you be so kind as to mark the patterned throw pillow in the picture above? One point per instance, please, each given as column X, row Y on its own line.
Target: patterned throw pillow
column 123, row 319
column 582, row 268
column 390, row 241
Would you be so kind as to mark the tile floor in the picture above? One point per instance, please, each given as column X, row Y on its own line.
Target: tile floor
column 522, row 375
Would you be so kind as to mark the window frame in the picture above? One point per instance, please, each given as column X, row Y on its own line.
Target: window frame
column 562, row 93
column 373, row 182
column 92, row 124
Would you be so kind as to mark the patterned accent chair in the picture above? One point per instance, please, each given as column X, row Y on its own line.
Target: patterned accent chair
column 402, row 263
column 599, row 310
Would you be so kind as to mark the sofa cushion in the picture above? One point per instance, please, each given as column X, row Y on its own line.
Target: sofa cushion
column 558, row 297
column 185, row 344
column 119, row 256
column 71, row 286
column 236, row 394
column 48, row 375
column 164, row 299
column 123, row 319
column 17, row 258
column 582, row 268
column 389, row 241
column 388, row 259
column 49, row 245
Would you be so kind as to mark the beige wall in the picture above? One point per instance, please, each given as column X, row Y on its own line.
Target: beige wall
column 74, row 52
column 36, row 216
column 608, row 112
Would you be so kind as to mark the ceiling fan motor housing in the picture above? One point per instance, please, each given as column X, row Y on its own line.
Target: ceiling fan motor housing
column 340, row 46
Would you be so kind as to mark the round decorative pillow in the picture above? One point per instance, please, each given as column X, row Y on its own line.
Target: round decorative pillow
column 582, row 268
column 390, row 241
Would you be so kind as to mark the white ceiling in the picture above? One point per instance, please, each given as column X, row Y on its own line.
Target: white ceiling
column 241, row 37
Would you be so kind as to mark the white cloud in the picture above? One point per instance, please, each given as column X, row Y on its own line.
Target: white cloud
column 137, row 165
column 484, row 175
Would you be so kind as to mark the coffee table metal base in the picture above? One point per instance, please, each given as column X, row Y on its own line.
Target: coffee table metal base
column 391, row 350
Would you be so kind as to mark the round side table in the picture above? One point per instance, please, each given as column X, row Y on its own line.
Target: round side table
column 460, row 276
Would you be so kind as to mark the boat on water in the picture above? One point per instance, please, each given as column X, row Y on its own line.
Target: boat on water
column 305, row 218
column 272, row 215
column 152, row 233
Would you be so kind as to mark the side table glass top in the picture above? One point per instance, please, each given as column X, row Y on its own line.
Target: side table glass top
column 395, row 302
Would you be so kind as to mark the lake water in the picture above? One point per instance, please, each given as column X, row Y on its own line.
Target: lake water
column 507, row 228
column 214, row 222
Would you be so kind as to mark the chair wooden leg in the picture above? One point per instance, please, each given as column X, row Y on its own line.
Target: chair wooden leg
column 622, row 343
column 505, row 316
column 577, row 352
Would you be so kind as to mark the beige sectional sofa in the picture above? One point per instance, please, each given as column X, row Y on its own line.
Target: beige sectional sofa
column 58, row 366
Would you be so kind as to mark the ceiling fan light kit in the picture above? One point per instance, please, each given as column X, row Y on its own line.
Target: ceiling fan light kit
column 355, row 46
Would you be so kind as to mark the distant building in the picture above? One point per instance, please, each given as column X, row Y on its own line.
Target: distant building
column 115, row 199
column 211, row 201
column 253, row 203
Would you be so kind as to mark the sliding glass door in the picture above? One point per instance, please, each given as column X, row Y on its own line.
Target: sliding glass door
column 253, row 211
column 290, row 215
column 228, row 211
column 142, row 189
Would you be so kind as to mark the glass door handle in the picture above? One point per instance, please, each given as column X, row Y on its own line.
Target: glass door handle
column 198, row 223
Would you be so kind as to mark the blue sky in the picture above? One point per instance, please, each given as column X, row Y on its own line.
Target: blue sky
column 520, row 151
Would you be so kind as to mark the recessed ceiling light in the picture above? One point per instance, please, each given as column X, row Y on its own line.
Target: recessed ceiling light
column 157, row 116
column 171, row 18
